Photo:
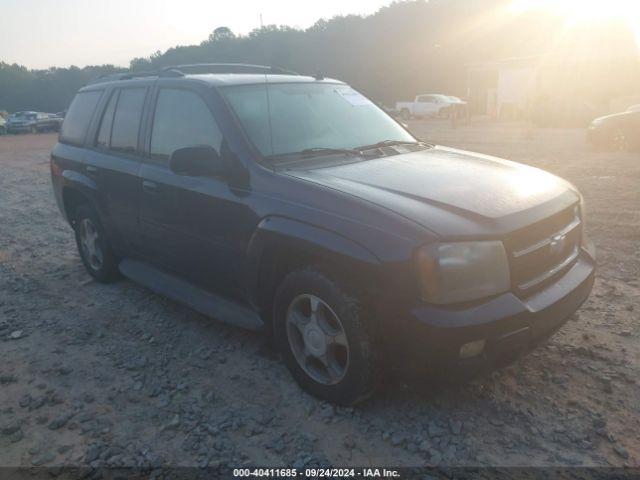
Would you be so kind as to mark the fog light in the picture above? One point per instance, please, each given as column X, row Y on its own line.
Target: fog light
column 472, row 349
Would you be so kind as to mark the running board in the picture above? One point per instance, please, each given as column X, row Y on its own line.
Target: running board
column 205, row 302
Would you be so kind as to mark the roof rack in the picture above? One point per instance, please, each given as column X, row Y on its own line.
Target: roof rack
column 230, row 68
column 195, row 68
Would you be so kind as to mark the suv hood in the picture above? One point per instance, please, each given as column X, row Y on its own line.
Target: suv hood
column 451, row 192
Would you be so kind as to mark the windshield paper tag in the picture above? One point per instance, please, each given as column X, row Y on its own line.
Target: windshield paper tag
column 354, row 98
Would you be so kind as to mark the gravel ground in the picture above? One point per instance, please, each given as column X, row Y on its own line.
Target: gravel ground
column 108, row 375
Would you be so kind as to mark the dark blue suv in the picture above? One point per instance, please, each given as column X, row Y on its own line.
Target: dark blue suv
column 295, row 205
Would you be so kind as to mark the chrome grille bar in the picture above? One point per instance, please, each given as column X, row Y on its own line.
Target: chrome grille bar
column 543, row 251
column 550, row 273
column 543, row 243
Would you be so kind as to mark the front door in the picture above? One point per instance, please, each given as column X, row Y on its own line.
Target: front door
column 188, row 223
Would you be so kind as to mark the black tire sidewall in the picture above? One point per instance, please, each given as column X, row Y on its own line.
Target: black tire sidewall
column 109, row 270
column 360, row 379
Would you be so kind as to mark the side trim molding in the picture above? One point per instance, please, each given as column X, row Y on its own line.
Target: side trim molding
column 203, row 301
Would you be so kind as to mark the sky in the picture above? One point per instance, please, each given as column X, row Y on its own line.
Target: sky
column 46, row 33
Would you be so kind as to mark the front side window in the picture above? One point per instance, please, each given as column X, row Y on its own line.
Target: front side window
column 182, row 119
column 126, row 120
column 287, row 118
column 78, row 117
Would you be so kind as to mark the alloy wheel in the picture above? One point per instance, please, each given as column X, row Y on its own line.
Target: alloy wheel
column 89, row 242
column 317, row 339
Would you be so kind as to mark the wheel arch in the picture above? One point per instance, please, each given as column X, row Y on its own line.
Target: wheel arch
column 72, row 198
column 280, row 245
column 76, row 189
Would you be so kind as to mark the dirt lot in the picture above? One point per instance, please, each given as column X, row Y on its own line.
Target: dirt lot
column 115, row 375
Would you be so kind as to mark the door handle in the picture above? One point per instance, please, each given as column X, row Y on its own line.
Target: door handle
column 91, row 169
column 149, row 187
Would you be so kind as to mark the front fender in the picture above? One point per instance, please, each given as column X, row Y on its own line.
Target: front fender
column 288, row 234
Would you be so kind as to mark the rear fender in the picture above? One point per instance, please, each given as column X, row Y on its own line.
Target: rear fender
column 79, row 184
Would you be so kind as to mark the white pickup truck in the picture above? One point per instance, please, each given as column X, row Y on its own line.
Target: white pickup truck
column 429, row 105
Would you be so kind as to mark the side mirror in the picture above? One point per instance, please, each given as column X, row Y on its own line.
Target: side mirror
column 196, row 161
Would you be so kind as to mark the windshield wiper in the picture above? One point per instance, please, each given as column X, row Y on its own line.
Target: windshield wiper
column 390, row 143
column 310, row 152
column 321, row 150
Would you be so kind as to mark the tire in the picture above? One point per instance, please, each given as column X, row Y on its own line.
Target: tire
column 405, row 114
column 97, row 256
column 353, row 374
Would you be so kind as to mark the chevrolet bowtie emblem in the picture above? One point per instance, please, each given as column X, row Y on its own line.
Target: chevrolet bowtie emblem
column 557, row 244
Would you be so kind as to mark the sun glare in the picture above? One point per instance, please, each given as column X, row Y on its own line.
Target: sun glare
column 580, row 12
column 584, row 10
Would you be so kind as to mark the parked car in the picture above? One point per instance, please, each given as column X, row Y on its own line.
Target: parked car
column 55, row 121
column 33, row 122
column 312, row 215
column 22, row 122
column 431, row 105
column 620, row 131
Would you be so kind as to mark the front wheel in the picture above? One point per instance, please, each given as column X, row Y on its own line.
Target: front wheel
column 325, row 337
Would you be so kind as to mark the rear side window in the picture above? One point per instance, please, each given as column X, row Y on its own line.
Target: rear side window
column 126, row 120
column 182, row 119
column 78, row 117
column 104, row 133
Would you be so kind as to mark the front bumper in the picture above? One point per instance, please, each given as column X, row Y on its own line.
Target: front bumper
column 427, row 339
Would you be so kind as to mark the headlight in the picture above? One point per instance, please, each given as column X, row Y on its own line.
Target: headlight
column 463, row 271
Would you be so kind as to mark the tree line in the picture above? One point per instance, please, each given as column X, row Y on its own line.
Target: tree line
column 405, row 48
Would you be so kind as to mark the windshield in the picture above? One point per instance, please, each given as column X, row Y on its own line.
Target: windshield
column 295, row 117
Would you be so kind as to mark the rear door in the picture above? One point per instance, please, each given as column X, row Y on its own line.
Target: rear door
column 115, row 159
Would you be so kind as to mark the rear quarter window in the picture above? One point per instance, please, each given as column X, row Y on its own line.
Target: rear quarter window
column 79, row 116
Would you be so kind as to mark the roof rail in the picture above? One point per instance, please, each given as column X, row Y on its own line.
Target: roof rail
column 230, row 68
column 182, row 70
column 168, row 72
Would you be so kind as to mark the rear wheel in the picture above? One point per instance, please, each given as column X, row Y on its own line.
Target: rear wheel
column 325, row 337
column 93, row 245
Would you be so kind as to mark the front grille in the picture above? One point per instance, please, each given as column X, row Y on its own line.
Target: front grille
column 541, row 252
